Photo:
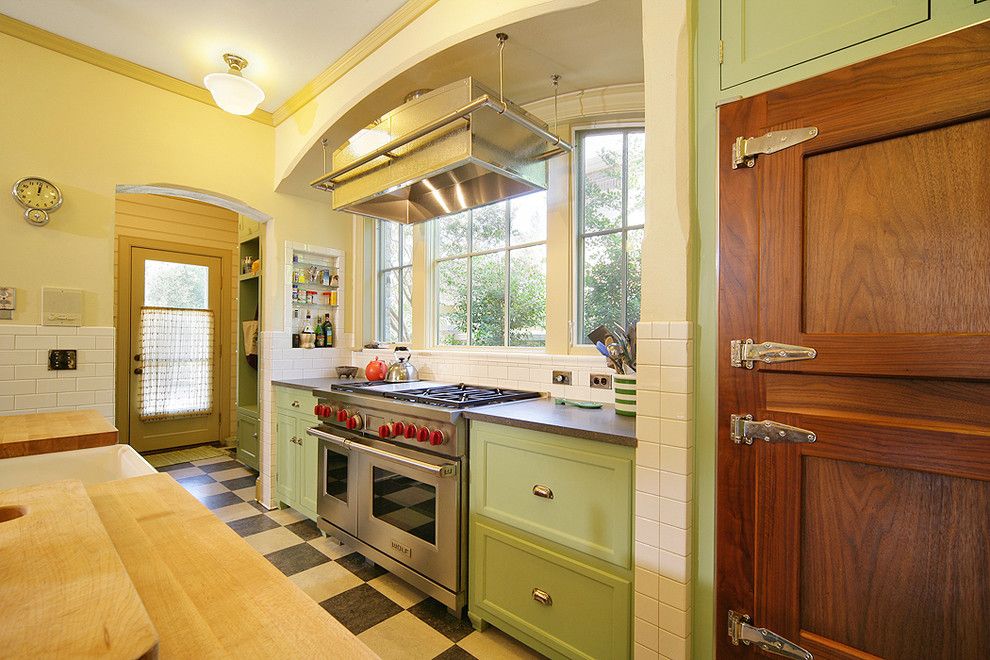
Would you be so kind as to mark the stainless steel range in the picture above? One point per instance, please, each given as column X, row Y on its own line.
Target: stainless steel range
column 393, row 475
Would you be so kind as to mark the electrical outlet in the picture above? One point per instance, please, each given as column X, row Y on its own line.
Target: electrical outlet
column 61, row 359
column 601, row 381
column 562, row 378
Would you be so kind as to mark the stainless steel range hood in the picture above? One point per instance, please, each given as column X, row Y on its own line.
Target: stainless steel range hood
column 455, row 148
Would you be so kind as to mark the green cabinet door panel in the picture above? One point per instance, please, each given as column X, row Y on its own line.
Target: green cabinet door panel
column 570, row 609
column 575, row 492
column 309, row 457
column 247, row 440
column 285, row 457
column 291, row 399
column 760, row 37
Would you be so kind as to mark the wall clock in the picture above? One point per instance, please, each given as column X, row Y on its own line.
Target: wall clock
column 38, row 197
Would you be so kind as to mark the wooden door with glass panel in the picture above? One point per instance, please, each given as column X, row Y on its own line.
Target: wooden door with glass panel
column 855, row 522
column 175, row 349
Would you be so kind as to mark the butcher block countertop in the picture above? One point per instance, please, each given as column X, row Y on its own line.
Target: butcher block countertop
column 43, row 433
column 208, row 593
column 65, row 592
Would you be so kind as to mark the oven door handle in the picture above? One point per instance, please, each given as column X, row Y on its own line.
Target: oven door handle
column 445, row 470
column 332, row 439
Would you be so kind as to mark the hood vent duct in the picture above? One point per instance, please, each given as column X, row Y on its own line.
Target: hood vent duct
column 454, row 148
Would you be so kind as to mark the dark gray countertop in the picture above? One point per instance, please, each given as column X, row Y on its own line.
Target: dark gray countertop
column 545, row 415
column 600, row 424
column 315, row 384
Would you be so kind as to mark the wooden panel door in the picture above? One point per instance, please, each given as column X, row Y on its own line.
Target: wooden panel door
column 760, row 37
column 871, row 244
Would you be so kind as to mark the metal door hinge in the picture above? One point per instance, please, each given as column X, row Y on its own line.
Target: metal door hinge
column 745, row 150
column 740, row 630
column 743, row 431
column 745, row 352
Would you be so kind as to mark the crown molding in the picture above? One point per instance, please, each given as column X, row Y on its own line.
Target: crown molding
column 624, row 99
column 387, row 29
column 104, row 60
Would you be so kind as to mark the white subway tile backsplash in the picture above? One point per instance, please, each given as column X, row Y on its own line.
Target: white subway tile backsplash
column 23, row 401
column 647, row 609
column 79, row 343
column 76, row 399
column 674, row 593
column 17, row 357
column 26, row 384
column 18, row 387
column 676, row 459
column 33, row 342
column 676, row 352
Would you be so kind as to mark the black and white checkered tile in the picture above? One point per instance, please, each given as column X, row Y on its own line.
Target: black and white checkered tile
column 390, row 616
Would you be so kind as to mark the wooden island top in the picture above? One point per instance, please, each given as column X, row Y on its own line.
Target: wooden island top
column 43, row 433
column 210, row 594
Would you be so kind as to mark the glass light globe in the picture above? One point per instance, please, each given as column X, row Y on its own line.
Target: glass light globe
column 232, row 91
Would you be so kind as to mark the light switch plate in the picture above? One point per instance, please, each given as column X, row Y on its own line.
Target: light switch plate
column 8, row 298
column 61, row 306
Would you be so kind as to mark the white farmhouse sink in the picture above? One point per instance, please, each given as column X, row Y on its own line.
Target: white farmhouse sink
column 90, row 466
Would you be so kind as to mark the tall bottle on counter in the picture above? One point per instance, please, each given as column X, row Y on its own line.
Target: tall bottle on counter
column 320, row 339
column 328, row 333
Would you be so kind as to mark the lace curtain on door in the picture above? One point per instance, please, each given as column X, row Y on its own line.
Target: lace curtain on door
column 176, row 363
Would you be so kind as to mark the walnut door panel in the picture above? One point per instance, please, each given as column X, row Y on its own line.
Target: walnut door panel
column 897, row 235
column 871, row 244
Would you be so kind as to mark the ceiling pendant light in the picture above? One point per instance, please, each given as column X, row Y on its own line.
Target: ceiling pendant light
column 232, row 91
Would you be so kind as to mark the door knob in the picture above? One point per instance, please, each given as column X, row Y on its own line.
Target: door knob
column 138, row 371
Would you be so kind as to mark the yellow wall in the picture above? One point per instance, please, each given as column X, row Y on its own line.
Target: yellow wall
column 88, row 130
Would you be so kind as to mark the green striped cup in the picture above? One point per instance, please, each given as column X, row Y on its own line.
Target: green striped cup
column 625, row 394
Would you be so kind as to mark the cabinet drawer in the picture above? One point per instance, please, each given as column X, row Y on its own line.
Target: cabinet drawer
column 575, row 492
column 291, row 399
column 584, row 612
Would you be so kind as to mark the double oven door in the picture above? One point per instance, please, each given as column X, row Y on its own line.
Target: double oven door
column 404, row 503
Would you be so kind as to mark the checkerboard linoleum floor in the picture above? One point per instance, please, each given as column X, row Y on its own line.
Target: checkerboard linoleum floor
column 390, row 616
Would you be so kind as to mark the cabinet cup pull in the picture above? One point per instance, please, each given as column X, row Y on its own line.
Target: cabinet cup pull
column 543, row 491
column 295, row 404
column 542, row 597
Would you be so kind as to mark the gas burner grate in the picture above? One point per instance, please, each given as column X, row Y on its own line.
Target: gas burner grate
column 461, row 395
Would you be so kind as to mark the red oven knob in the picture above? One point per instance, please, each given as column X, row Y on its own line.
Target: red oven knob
column 354, row 423
column 342, row 415
column 318, row 410
column 398, row 429
column 437, row 438
column 411, row 431
column 423, row 435
column 329, row 411
column 384, row 432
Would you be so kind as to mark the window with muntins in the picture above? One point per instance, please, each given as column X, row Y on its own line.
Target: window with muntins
column 491, row 276
column 610, row 217
column 394, row 281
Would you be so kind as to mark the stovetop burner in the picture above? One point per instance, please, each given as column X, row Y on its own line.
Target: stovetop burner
column 440, row 394
column 461, row 395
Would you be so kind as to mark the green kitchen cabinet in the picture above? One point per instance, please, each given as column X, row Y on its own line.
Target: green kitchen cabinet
column 760, row 37
column 297, row 452
column 247, row 439
column 551, row 538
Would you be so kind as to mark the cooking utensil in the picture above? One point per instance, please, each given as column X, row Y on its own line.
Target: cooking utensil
column 608, row 360
column 402, row 370
column 599, row 334
column 346, row 372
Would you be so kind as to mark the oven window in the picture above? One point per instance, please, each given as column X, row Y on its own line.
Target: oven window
column 405, row 503
column 336, row 485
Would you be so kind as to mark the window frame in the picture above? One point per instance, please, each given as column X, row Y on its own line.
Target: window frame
column 506, row 249
column 580, row 236
column 405, row 230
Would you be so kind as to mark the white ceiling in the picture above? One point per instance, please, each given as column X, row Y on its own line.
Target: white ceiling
column 286, row 43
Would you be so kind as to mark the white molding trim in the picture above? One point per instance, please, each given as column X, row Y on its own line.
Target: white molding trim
column 198, row 195
column 624, row 99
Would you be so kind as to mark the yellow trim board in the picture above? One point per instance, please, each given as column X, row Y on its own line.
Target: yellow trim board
column 387, row 29
column 104, row 60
